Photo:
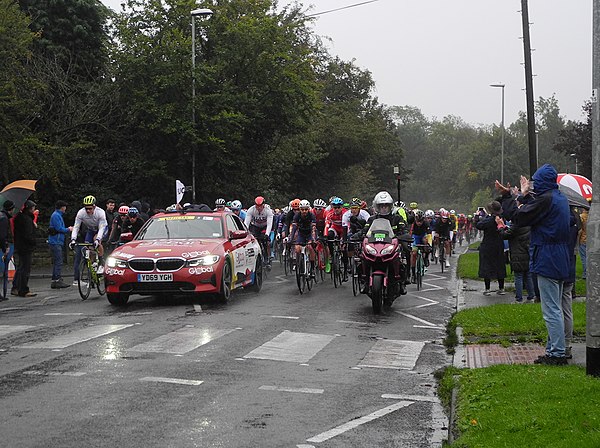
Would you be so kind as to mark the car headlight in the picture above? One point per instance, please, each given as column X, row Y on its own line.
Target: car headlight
column 387, row 250
column 113, row 262
column 370, row 249
column 207, row 260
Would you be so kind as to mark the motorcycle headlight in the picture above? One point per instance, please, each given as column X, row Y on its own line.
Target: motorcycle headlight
column 113, row 262
column 370, row 249
column 388, row 250
column 207, row 260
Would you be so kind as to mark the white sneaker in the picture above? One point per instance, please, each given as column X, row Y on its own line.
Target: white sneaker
column 447, row 264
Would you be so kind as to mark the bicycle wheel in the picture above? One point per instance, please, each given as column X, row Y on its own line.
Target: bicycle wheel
column 354, row 271
column 335, row 267
column 340, row 268
column 442, row 258
column 285, row 262
column 300, row 279
column 309, row 272
column 321, row 263
column 84, row 282
column 419, row 270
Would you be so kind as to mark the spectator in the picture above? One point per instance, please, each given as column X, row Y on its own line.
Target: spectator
column 569, row 284
column 582, row 240
column 24, row 247
column 491, row 249
column 6, row 236
column 56, row 241
column 546, row 210
column 518, row 241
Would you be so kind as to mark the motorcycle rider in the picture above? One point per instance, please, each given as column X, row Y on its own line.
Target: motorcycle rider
column 382, row 206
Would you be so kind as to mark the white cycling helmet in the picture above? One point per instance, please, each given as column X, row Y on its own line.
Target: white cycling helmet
column 236, row 205
column 304, row 203
column 320, row 203
column 429, row 214
column 383, row 198
column 452, row 212
column 401, row 204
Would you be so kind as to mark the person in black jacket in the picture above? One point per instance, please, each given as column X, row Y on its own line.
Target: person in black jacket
column 24, row 247
column 518, row 243
column 6, row 236
column 491, row 249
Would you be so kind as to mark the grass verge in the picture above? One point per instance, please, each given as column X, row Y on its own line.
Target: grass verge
column 524, row 406
column 507, row 323
column 468, row 267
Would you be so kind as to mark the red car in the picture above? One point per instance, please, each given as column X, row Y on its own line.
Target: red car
column 185, row 253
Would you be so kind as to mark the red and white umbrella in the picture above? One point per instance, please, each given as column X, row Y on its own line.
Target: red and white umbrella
column 580, row 184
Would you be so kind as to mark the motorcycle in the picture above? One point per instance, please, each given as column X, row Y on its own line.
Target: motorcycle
column 382, row 258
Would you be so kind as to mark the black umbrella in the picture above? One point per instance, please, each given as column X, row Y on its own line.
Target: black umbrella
column 575, row 199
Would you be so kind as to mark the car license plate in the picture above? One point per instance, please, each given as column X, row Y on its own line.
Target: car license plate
column 155, row 277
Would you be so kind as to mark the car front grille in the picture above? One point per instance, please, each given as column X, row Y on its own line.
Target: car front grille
column 142, row 264
column 157, row 287
column 169, row 264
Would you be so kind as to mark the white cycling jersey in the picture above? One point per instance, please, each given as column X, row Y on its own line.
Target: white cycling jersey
column 362, row 214
column 262, row 219
column 94, row 222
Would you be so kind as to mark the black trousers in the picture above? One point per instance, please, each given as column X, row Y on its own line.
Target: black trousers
column 23, row 272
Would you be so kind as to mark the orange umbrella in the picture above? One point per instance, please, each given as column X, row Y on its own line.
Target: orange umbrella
column 18, row 192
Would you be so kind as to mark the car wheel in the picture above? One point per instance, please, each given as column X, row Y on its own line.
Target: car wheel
column 225, row 292
column 117, row 299
column 258, row 276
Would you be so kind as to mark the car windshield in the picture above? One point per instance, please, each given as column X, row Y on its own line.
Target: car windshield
column 182, row 227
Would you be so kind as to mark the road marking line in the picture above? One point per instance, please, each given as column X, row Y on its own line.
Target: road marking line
column 180, row 341
column 291, row 347
column 355, row 322
column 433, row 327
column 411, row 397
column 392, row 354
column 76, row 337
column 63, row 314
column 302, row 390
column 16, row 308
column 305, row 446
column 434, row 277
column 158, row 379
column 40, row 372
column 281, row 279
column 418, row 319
column 357, row 422
column 285, row 317
column 7, row 329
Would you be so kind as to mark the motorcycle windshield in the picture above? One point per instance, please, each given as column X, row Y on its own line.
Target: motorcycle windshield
column 380, row 231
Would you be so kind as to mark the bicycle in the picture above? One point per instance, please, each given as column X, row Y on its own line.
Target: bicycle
column 355, row 267
column 336, row 263
column 320, row 260
column 265, row 256
column 287, row 258
column 420, row 266
column 442, row 251
column 304, row 270
column 89, row 277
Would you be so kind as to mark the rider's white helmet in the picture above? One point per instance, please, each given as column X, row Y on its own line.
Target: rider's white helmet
column 304, row 203
column 429, row 214
column 383, row 198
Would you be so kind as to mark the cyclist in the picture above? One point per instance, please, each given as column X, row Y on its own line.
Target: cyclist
column 334, row 227
column 236, row 208
column 289, row 217
column 400, row 209
column 419, row 230
column 461, row 226
column 305, row 226
column 319, row 206
column 355, row 218
column 220, row 206
column 259, row 220
column 94, row 219
column 133, row 223
column 115, row 232
column 444, row 228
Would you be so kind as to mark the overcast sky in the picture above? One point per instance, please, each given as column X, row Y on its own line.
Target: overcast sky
column 441, row 55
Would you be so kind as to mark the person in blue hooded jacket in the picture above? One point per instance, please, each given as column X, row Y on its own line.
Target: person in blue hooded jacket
column 546, row 210
column 56, row 241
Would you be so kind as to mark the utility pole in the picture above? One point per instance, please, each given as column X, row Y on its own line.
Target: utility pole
column 529, row 89
column 592, row 340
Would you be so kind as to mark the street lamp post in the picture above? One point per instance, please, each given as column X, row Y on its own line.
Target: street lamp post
column 502, row 134
column 574, row 157
column 205, row 13
column 397, row 173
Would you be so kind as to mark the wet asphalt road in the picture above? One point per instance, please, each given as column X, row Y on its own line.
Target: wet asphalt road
column 274, row 369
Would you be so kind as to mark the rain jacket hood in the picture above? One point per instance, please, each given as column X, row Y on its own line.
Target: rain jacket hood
column 544, row 179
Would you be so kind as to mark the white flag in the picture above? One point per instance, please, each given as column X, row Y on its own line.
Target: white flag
column 180, row 190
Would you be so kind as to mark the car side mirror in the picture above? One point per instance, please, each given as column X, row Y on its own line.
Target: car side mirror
column 238, row 234
column 126, row 237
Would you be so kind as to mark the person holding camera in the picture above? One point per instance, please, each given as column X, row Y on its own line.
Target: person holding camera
column 56, row 241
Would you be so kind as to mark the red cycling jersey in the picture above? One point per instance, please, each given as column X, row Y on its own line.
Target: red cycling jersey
column 333, row 221
column 320, row 215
